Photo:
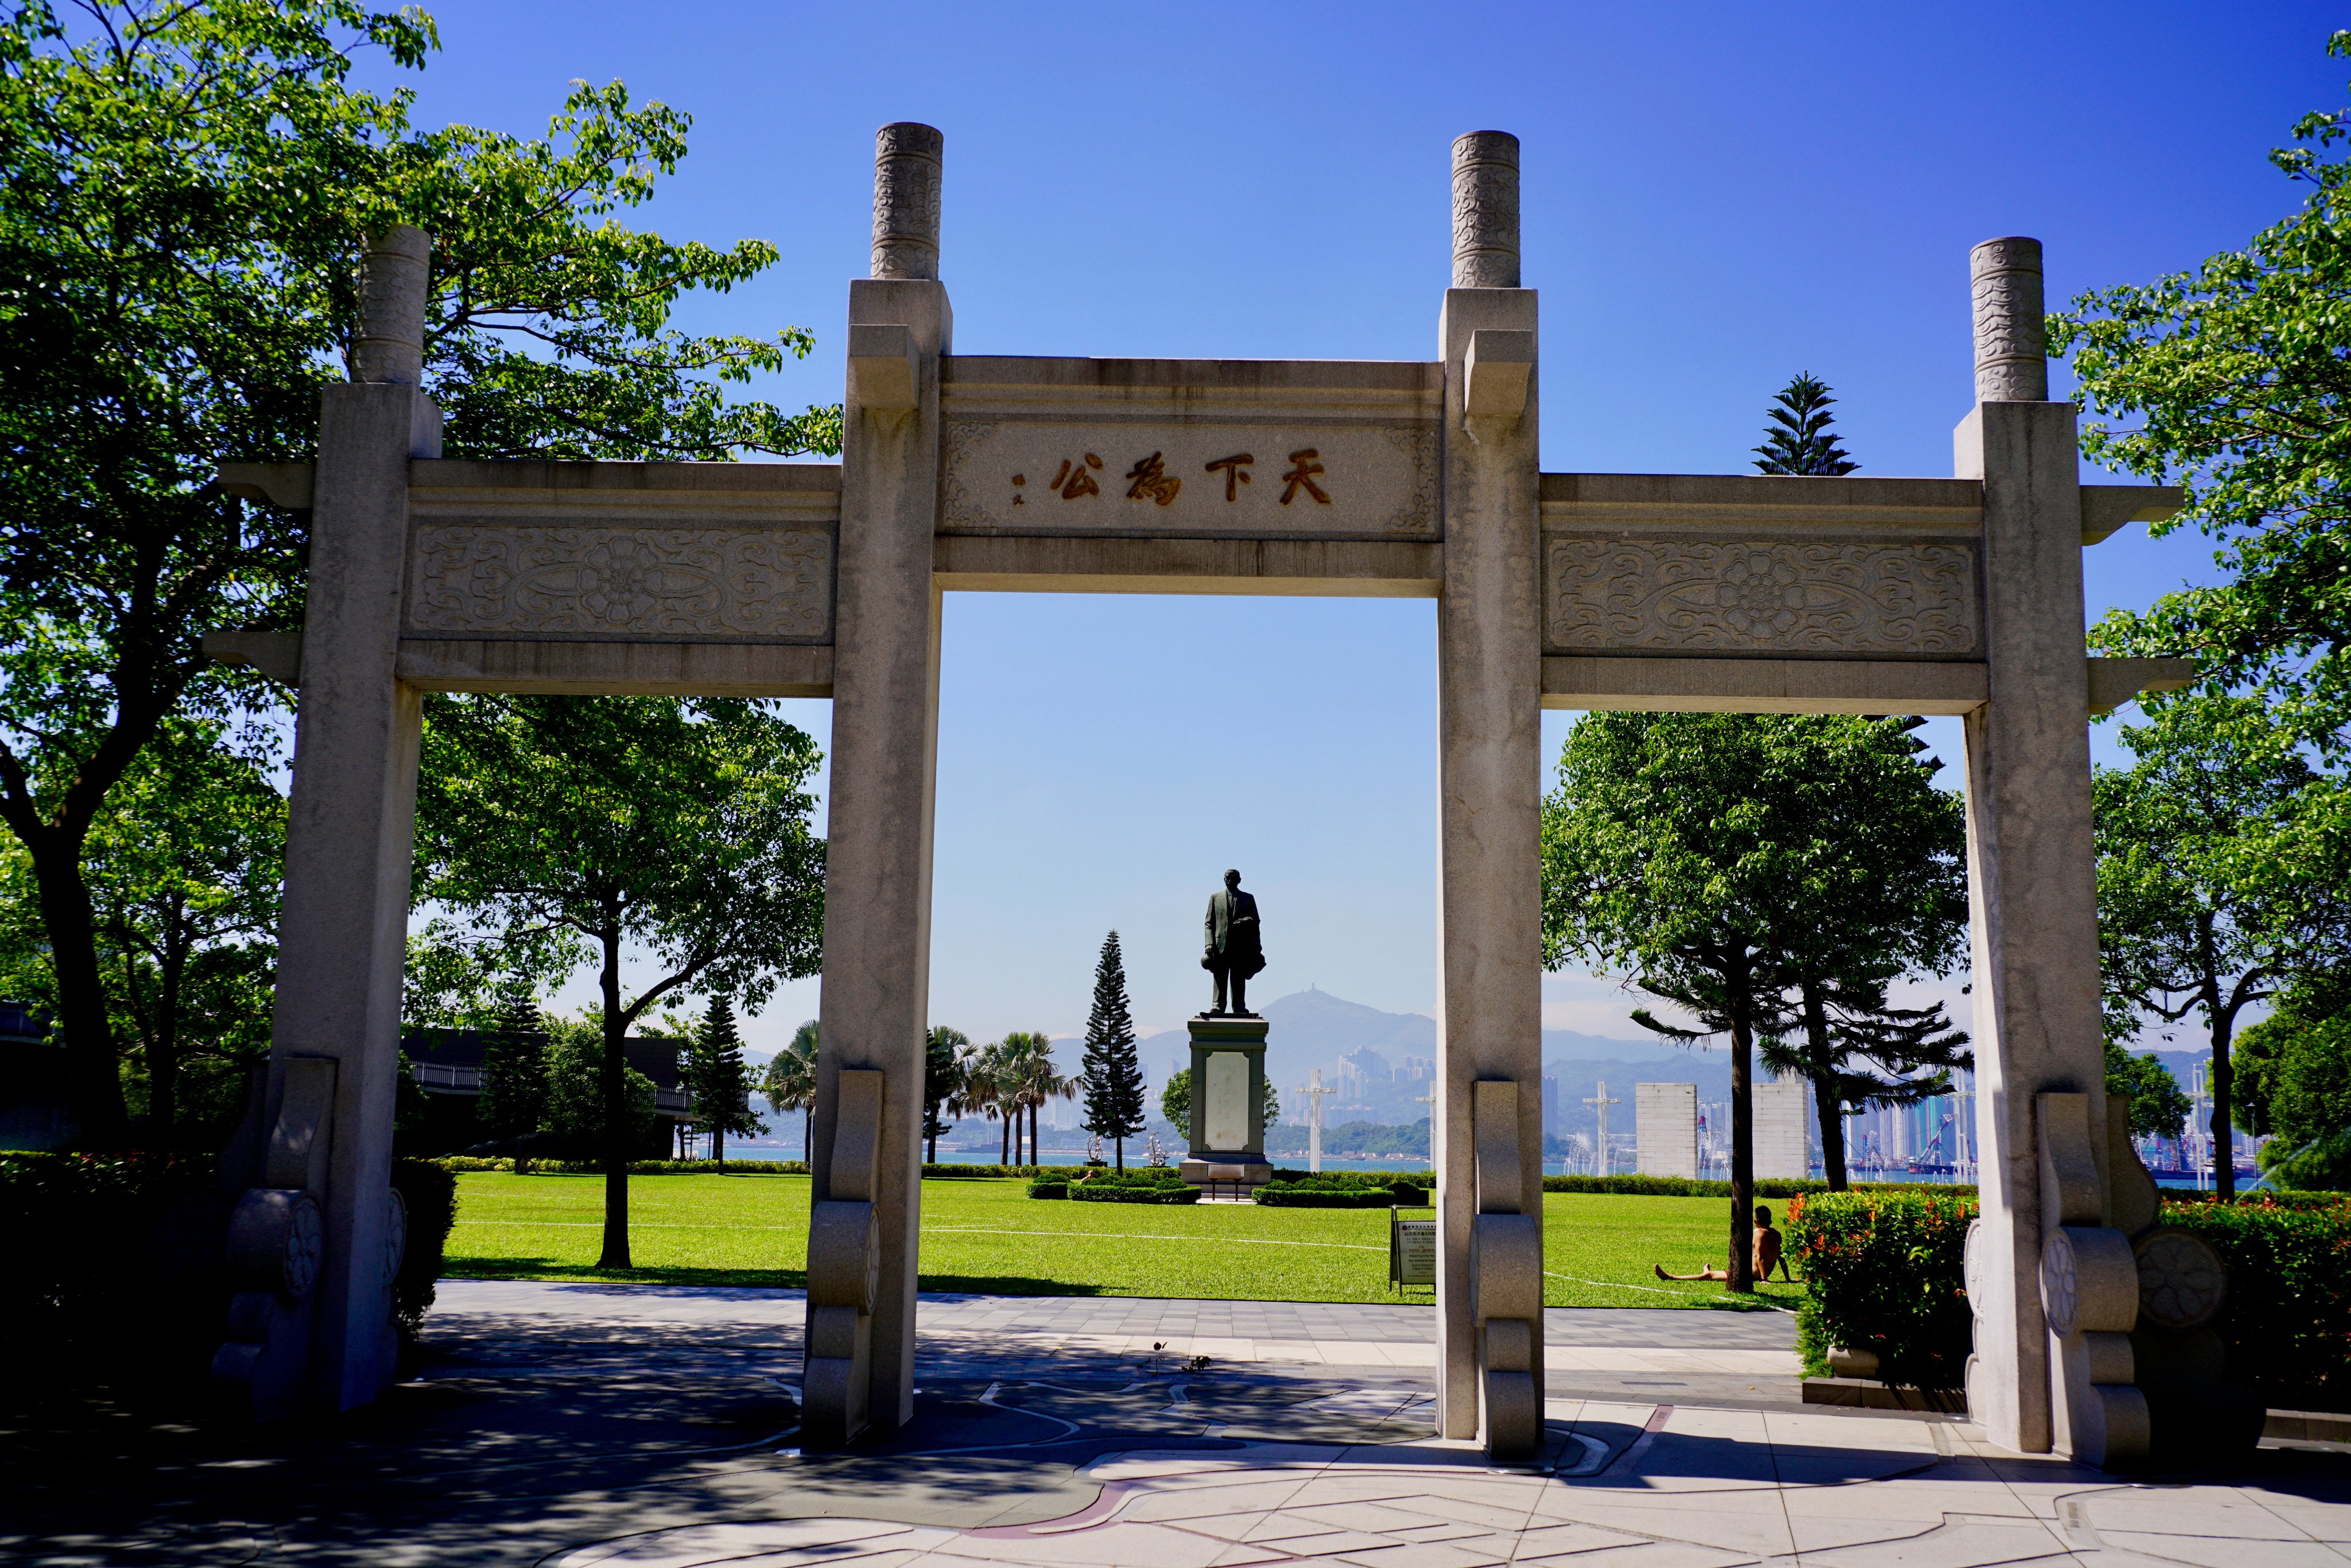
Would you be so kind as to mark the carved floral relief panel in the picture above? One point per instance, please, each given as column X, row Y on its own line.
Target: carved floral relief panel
column 720, row 584
column 1717, row 596
column 1205, row 479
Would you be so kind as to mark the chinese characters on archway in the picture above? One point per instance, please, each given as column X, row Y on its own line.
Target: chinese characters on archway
column 1149, row 481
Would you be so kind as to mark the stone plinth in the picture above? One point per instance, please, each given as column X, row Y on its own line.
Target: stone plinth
column 1664, row 1126
column 1226, row 1136
column 1781, row 1148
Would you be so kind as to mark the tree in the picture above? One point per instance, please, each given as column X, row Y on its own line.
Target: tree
column 1885, row 895
column 942, row 1075
column 1725, row 861
column 515, row 1068
column 2219, row 873
column 789, row 1085
column 1029, row 1078
column 581, row 1112
column 1112, row 1073
column 185, row 194
column 2233, row 381
column 719, row 1082
column 1176, row 1101
column 1858, row 1050
column 185, row 859
column 561, row 829
column 2160, row 1107
column 1798, row 440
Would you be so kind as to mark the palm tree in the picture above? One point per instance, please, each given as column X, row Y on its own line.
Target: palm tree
column 978, row 1082
column 1033, row 1079
column 791, row 1084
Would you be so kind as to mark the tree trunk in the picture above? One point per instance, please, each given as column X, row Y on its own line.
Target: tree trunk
column 163, row 1047
column 616, row 1113
column 1740, row 1265
column 1004, row 1137
column 1033, row 1158
column 1825, row 1099
column 2224, row 1160
column 808, row 1136
column 1121, row 1143
column 71, row 926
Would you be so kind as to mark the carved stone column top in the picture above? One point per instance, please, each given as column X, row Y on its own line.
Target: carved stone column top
column 1485, row 210
column 908, row 164
column 394, row 273
column 2012, row 335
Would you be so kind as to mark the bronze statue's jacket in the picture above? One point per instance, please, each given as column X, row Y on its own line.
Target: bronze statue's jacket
column 1232, row 934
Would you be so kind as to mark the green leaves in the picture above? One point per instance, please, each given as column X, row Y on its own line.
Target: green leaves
column 184, row 193
column 680, row 827
column 2232, row 381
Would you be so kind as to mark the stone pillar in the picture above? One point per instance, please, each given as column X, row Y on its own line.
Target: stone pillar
column 877, row 917
column 1489, row 677
column 342, row 935
column 2032, row 885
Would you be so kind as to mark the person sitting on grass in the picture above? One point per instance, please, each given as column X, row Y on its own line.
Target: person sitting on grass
column 1768, row 1255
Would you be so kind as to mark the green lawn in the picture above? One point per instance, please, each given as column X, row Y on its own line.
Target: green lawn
column 990, row 1236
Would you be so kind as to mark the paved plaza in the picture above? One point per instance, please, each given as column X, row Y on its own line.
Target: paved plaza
column 651, row 1426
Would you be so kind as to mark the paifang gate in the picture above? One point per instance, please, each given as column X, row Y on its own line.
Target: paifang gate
column 1572, row 590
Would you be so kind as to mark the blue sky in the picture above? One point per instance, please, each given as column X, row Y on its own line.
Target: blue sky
column 1715, row 197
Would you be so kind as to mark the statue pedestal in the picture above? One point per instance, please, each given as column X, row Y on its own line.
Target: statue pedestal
column 1228, row 1131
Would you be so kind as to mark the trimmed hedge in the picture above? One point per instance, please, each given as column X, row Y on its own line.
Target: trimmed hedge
column 1765, row 1187
column 1099, row 1192
column 2287, row 1320
column 1059, row 1182
column 1884, row 1272
column 1344, row 1190
column 636, row 1167
column 1334, row 1181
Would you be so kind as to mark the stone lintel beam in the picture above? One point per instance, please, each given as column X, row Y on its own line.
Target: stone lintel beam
column 556, row 480
column 2114, row 682
column 1350, row 568
column 617, row 669
column 1761, row 685
column 2106, row 508
column 1589, row 501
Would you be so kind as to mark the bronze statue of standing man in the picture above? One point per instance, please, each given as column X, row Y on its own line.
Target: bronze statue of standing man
column 1233, row 952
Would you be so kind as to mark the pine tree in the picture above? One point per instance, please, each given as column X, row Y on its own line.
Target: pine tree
column 1801, row 441
column 1112, row 1073
column 514, row 1070
column 720, row 1082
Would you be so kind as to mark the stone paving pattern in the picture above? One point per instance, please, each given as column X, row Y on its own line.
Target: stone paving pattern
column 654, row 1427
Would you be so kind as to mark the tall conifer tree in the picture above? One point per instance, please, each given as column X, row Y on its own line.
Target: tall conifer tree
column 720, row 1082
column 1798, row 440
column 1112, row 1072
column 514, row 1070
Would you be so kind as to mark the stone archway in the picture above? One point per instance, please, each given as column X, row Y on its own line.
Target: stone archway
column 1423, row 478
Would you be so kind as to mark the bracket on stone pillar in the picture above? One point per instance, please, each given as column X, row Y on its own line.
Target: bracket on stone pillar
column 1505, row 1278
column 2089, row 1289
column 844, row 1270
column 276, row 1242
column 2114, row 682
column 1494, row 376
column 885, row 368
